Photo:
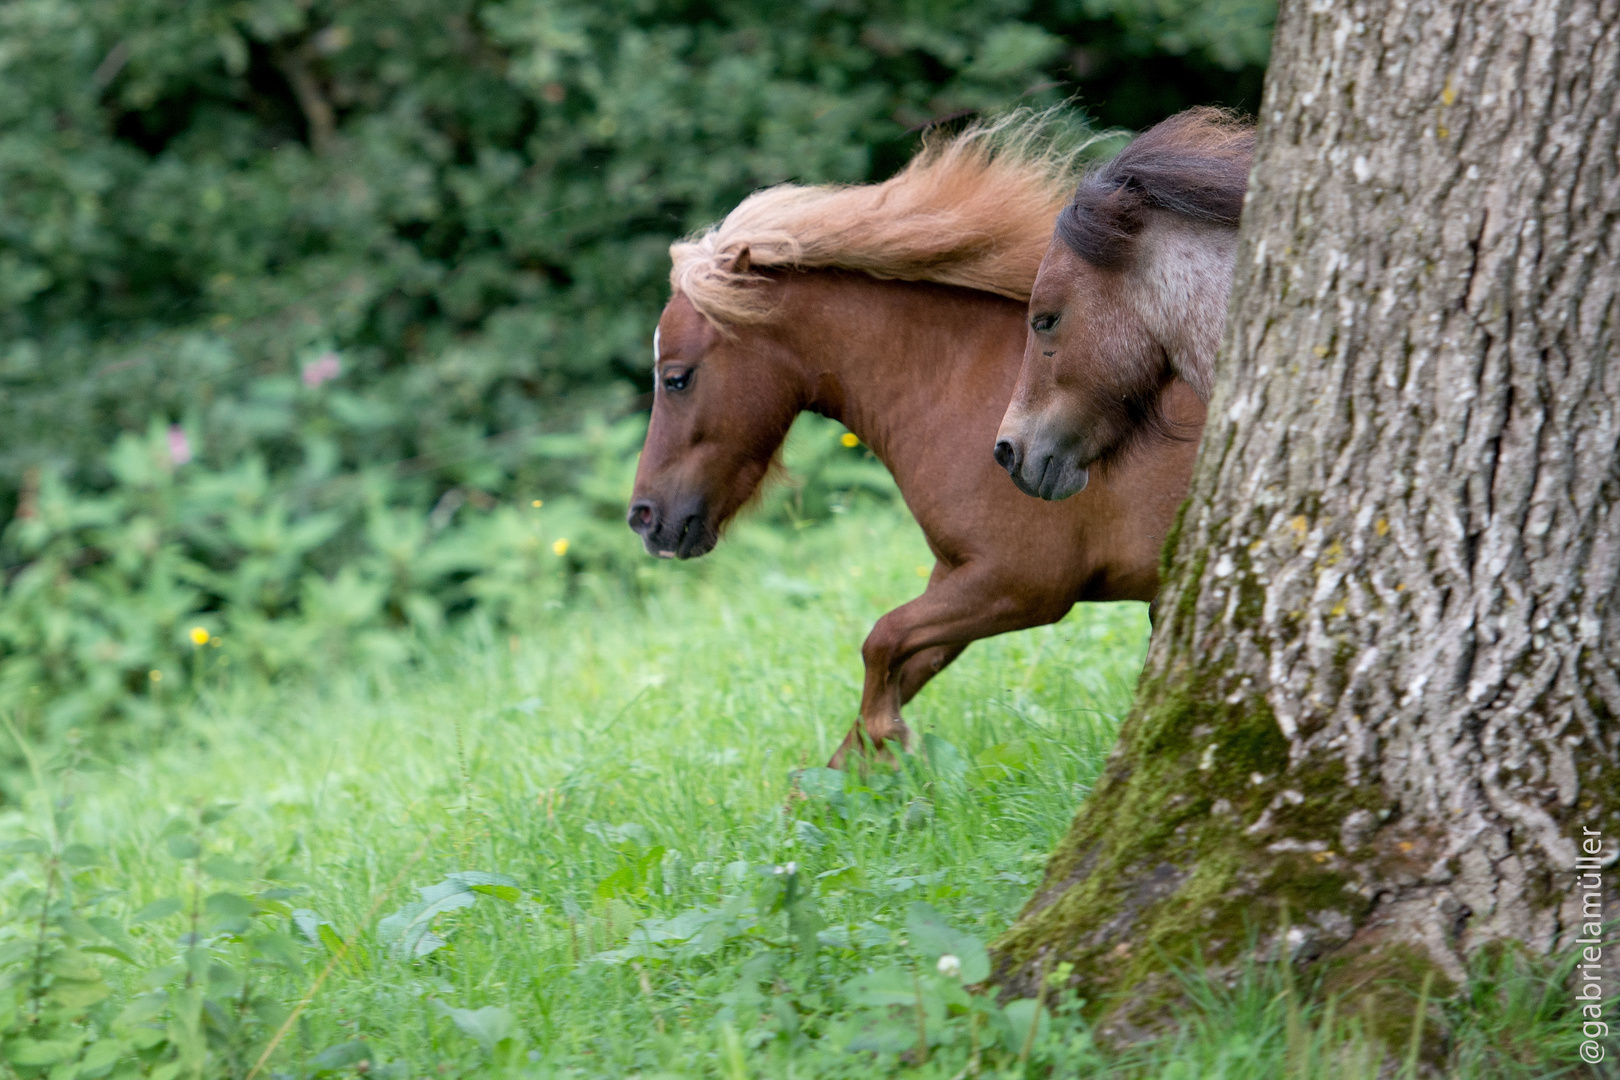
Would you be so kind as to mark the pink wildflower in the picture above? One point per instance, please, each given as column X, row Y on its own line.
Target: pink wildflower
column 323, row 368
column 179, row 445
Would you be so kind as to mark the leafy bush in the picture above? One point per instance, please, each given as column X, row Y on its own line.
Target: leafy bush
column 122, row 599
column 200, row 1003
column 130, row 599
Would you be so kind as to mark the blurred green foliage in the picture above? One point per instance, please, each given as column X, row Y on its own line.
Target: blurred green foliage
column 121, row 600
column 302, row 302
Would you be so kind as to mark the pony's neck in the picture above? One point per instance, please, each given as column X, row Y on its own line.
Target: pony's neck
column 891, row 360
column 1183, row 279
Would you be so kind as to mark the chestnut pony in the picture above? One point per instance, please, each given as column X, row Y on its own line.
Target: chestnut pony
column 896, row 309
column 1129, row 302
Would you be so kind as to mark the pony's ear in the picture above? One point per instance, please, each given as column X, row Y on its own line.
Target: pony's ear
column 741, row 261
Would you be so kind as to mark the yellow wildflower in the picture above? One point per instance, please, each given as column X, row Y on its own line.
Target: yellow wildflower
column 560, row 547
column 849, row 440
column 200, row 635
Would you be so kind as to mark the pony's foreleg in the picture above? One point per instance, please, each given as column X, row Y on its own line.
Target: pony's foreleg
column 912, row 643
column 917, row 671
column 914, row 675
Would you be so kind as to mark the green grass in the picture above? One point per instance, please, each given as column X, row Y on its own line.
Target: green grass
column 632, row 760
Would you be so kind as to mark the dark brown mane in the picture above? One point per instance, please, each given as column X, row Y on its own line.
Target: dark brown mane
column 1195, row 164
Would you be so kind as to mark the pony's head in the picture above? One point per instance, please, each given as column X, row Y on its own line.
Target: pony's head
column 975, row 210
column 1131, row 294
column 721, row 409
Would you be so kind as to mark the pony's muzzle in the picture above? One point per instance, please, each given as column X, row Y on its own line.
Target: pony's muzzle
column 1045, row 471
column 671, row 537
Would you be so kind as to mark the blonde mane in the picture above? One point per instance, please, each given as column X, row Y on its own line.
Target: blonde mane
column 973, row 210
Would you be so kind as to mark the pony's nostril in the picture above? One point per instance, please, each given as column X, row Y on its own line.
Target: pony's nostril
column 1007, row 455
column 642, row 517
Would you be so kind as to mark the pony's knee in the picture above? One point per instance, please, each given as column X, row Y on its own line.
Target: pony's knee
column 882, row 646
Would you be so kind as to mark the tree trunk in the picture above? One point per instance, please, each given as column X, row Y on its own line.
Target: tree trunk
column 1382, row 702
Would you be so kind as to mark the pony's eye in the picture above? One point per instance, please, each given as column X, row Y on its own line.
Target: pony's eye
column 676, row 381
column 1042, row 323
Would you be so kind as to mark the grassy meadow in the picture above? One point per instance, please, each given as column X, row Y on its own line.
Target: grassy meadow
column 578, row 851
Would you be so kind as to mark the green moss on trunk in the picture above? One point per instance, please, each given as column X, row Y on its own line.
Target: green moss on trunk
column 1165, row 863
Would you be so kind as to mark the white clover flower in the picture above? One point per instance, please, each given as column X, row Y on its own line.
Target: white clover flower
column 788, row 868
column 950, row 966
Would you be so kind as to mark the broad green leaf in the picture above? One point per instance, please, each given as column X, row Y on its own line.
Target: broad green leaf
column 1005, row 758
column 622, row 882
column 407, row 931
column 881, row 1033
column 932, row 936
column 810, row 835
column 109, row 929
column 81, row 855
column 160, row 976
column 112, row 951
column 309, row 924
column 76, row 994
column 860, row 936
column 182, row 846
column 470, row 878
column 341, row 1056
column 279, row 948
column 886, row 986
column 35, row 1052
column 71, row 964
column 329, row 938
column 805, row 923
column 488, row 1026
column 840, row 877
column 218, row 866
column 510, row 893
column 217, row 812
column 143, row 1008
column 101, row 1056
column 821, row 783
column 158, row 909
column 1019, row 1015
column 945, row 759
column 229, row 911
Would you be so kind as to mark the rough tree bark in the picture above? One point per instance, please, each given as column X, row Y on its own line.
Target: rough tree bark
column 1384, row 689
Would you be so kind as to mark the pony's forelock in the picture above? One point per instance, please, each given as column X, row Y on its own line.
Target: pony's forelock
column 1194, row 165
